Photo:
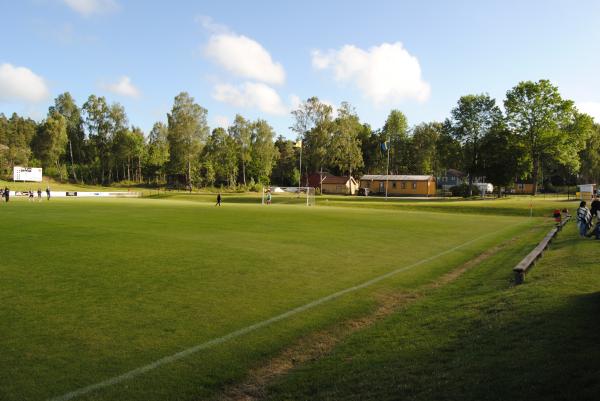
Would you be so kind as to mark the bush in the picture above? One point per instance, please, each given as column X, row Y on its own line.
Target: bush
column 463, row 190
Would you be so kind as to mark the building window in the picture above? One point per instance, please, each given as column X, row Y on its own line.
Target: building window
column 403, row 185
column 414, row 185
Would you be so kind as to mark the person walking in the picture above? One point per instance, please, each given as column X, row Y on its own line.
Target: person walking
column 6, row 194
column 39, row 193
column 584, row 219
column 218, row 199
column 48, row 192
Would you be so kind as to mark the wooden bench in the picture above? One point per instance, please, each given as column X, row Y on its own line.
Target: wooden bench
column 529, row 260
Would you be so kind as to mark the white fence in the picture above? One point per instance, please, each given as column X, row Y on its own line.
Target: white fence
column 79, row 194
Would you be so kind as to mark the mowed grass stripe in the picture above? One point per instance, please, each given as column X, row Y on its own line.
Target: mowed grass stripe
column 94, row 288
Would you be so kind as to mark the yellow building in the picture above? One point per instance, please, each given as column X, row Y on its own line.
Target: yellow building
column 332, row 184
column 400, row 185
column 523, row 188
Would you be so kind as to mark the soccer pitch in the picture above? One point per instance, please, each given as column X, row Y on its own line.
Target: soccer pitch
column 93, row 289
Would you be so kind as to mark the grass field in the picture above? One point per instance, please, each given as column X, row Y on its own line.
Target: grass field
column 92, row 289
column 476, row 339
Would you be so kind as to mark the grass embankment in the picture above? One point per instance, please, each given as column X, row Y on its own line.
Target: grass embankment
column 90, row 289
column 479, row 338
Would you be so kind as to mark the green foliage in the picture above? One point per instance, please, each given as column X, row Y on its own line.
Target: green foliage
column 344, row 151
column 425, row 155
column 546, row 124
column 590, row 156
column 241, row 131
column 222, row 150
column 286, row 171
column 395, row 133
column 264, row 153
column 313, row 125
column 188, row 131
column 50, row 141
column 472, row 119
column 542, row 134
column 464, row 190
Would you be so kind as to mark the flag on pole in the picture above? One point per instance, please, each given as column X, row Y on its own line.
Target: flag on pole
column 384, row 146
column 298, row 144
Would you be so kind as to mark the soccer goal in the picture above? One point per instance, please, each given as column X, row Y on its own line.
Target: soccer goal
column 288, row 195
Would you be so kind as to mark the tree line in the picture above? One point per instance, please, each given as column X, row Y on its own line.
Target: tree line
column 539, row 137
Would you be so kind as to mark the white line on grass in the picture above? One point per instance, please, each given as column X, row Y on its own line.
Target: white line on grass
column 219, row 340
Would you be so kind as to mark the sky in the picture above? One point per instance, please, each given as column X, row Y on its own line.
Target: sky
column 261, row 58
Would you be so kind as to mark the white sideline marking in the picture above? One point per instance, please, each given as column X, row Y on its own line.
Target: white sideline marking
column 219, row 340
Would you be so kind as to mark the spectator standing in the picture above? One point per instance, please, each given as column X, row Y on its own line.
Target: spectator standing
column 584, row 218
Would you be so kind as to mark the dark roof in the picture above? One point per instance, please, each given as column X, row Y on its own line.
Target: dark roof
column 455, row 173
column 332, row 179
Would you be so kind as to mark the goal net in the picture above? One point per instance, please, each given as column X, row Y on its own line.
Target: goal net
column 288, row 195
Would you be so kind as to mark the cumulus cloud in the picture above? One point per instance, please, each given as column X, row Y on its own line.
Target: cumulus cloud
column 591, row 108
column 123, row 87
column 21, row 84
column 90, row 7
column 243, row 57
column 221, row 121
column 251, row 95
column 387, row 73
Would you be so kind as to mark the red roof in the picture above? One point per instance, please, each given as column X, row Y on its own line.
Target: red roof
column 332, row 179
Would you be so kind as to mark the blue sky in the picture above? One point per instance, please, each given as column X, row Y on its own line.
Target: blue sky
column 259, row 58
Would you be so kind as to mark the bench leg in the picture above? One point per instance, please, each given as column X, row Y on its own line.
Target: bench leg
column 519, row 278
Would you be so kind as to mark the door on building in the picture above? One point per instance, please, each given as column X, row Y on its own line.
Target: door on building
column 381, row 186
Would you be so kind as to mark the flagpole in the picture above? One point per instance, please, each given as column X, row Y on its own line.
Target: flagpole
column 387, row 175
column 300, row 180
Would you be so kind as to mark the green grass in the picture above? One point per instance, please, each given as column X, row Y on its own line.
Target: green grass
column 523, row 206
column 90, row 289
column 479, row 338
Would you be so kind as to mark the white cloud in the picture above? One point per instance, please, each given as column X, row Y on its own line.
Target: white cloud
column 244, row 57
column 90, row 7
column 251, row 95
column 221, row 121
column 384, row 74
column 591, row 108
column 210, row 25
column 21, row 84
column 123, row 87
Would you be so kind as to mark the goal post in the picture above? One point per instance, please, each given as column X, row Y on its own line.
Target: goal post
column 288, row 195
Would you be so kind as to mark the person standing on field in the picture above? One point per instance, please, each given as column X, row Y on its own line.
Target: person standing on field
column 48, row 192
column 6, row 194
column 584, row 219
column 218, row 199
column 595, row 212
column 39, row 192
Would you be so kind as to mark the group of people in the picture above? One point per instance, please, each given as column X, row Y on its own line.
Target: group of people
column 5, row 194
column 586, row 218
